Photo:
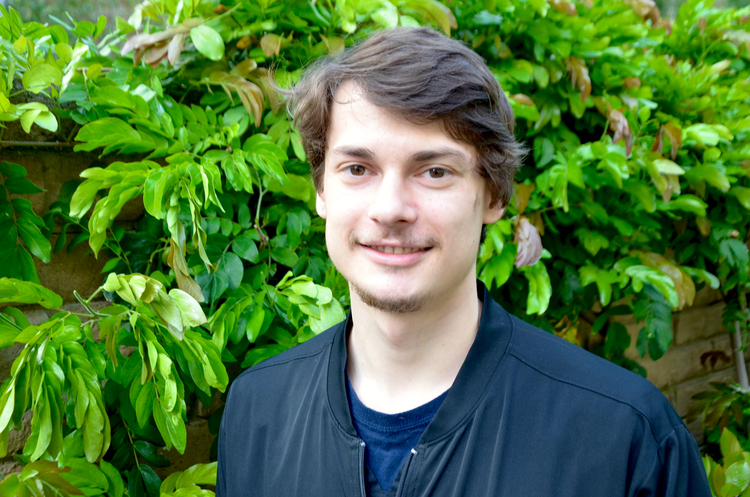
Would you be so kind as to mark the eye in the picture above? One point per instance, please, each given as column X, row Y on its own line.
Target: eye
column 357, row 170
column 436, row 172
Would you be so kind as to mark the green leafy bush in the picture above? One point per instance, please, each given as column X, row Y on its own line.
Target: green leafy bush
column 637, row 181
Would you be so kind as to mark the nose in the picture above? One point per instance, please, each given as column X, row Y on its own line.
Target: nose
column 393, row 201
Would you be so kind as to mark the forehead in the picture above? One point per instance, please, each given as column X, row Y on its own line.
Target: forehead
column 356, row 122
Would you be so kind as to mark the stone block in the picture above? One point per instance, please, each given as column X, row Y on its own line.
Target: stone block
column 706, row 296
column 197, row 451
column 50, row 169
column 683, row 392
column 78, row 270
column 698, row 323
column 695, row 429
column 9, row 466
column 688, row 361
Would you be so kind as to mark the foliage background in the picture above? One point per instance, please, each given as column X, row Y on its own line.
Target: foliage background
column 640, row 136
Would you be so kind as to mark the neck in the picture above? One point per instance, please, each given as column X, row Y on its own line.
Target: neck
column 397, row 362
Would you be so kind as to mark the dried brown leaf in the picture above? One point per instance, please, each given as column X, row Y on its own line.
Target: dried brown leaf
column 538, row 221
column 522, row 193
column 564, row 6
column 579, row 75
column 175, row 48
column 523, row 99
column 156, row 54
column 244, row 68
column 674, row 135
column 704, row 225
column 529, row 243
column 621, row 129
column 631, row 82
column 243, row 42
column 270, row 44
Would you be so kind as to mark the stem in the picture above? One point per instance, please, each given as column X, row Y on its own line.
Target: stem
column 85, row 303
column 132, row 444
column 94, row 294
column 9, row 321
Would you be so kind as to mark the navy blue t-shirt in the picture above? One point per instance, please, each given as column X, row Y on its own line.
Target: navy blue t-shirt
column 389, row 437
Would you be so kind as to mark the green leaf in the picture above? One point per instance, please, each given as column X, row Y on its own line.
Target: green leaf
column 199, row 474
column 192, row 314
column 105, row 132
column 21, row 186
column 540, row 288
column 687, row 203
column 85, row 475
column 245, row 247
column 702, row 275
column 169, row 313
column 729, row 443
column 34, row 240
column 25, row 292
column 386, row 16
column 666, row 166
column 644, row 274
column 208, row 42
column 39, row 77
column 116, row 485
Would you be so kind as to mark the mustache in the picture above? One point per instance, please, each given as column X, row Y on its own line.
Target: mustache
column 401, row 238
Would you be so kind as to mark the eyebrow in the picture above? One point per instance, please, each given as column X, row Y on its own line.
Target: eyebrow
column 421, row 156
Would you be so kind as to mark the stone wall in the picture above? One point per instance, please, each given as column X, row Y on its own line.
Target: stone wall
column 700, row 353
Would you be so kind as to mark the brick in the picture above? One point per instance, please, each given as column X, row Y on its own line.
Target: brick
column 695, row 429
column 681, row 363
column 78, row 270
column 683, row 392
column 698, row 323
column 9, row 466
column 706, row 296
column 51, row 169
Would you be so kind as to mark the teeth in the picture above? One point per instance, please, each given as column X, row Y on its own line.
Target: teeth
column 396, row 250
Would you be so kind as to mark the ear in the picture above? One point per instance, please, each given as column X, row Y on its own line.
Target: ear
column 320, row 203
column 493, row 214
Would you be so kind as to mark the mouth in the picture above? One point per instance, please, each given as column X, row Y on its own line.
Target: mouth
column 397, row 250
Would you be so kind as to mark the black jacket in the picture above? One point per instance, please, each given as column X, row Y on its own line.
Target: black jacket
column 528, row 415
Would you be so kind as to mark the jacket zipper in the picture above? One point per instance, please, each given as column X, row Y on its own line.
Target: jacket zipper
column 362, row 490
column 402, row 480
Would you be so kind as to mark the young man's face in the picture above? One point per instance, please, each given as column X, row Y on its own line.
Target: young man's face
column 404, row 205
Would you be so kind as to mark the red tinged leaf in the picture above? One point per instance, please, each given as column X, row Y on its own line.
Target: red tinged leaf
column 523, row 99
column 564, row 6
column 579, row 75
column 618, row 123
column 529, row 243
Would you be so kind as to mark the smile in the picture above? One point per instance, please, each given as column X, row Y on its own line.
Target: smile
column 397, row 250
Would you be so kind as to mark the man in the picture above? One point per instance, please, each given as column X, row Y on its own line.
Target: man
column 429, row 387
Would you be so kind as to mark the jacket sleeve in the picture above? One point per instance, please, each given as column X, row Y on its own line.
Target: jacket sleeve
column 221, row 484
column 678, row 470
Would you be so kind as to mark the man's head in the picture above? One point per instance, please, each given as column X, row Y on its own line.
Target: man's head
column 425, row 77
column 410, row 140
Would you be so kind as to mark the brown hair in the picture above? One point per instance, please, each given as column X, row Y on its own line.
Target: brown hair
column 426, row 77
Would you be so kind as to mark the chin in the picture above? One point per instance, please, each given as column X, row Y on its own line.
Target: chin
column 394, row 304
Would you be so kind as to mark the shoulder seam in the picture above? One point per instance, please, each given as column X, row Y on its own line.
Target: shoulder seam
column 262, row 366
column 603, row 394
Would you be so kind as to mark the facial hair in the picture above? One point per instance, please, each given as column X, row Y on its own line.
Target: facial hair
column 388, row 303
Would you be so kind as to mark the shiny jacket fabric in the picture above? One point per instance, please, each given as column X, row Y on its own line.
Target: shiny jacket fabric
column 528, row 415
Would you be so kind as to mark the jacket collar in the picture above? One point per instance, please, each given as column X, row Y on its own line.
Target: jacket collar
column 468, row 389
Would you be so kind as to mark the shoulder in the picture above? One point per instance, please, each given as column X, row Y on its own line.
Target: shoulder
column 280, row 372
column 580, row 373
